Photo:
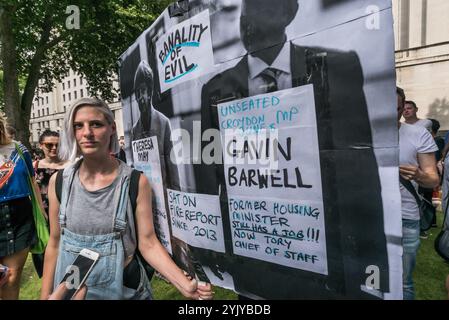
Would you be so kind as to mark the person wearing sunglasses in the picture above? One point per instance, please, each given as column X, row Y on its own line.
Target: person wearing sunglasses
column 45, row 168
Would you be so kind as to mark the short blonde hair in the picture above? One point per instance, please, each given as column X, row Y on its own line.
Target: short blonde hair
column 68, row 149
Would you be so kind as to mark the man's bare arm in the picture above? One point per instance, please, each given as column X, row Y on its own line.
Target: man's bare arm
column 426, row 175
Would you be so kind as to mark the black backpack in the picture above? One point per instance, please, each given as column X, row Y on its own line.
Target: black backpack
column 130, row 272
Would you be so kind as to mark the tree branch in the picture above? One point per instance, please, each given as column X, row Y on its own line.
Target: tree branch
column 55, row 41
column 33, row 74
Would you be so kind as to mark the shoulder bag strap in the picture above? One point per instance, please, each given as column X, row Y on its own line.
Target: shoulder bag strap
column 408, row 185
column 19, row 151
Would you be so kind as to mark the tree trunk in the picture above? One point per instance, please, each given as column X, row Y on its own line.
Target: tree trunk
column 8, row 56
column 33, row 78
column 18, row 109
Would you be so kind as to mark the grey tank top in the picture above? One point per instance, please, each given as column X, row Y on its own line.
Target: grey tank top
column 92, row 212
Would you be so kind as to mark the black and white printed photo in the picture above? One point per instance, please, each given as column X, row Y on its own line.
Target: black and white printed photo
column 317, row 74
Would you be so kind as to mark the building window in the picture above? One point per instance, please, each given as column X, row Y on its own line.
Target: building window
column 63, row 97
column 46, row 100
column 81, row 93
column 48, row 124
column 75, row 94
column 70, row 96
column 81, row 80
column 63, row 86
column 68, row 84
column 38, row 113
column 64, row 108
column 74, row 82
column 48, row 111
column 38, row 102
column 33, row 114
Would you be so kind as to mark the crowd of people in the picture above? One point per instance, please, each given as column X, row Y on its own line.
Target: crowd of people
column 88, row 214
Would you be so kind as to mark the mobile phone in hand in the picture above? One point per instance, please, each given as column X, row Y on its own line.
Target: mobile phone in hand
column 79, row 271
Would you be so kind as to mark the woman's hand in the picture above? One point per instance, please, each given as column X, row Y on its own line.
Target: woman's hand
column 197, row 290
column 204, row 291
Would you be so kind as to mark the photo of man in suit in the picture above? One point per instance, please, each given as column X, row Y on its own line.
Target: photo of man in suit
column 355, row 236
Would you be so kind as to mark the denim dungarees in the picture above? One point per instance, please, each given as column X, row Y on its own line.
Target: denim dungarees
column 106, row 279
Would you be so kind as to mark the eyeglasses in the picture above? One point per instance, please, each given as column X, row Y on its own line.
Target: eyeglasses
column 50, row 146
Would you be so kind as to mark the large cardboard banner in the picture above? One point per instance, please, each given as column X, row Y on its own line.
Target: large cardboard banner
column 277, row 148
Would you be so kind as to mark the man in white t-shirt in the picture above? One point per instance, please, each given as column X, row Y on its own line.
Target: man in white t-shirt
column 417, row 164
column 410, row 115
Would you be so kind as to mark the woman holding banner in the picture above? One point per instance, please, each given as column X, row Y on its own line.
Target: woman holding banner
column 94, row 213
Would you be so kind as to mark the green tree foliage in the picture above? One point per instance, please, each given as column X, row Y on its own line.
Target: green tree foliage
column 36, row 44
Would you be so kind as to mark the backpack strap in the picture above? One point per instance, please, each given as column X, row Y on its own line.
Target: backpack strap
column 133, row 193
column 408, row 185
column 58, row 185
column 134, row 189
